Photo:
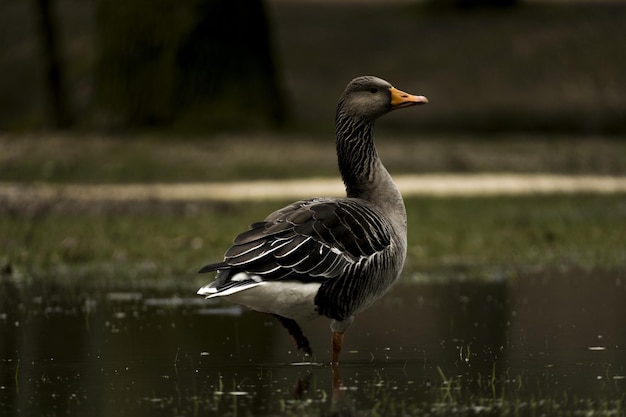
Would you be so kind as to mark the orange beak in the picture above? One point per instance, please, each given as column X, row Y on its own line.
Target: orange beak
column 400, row 99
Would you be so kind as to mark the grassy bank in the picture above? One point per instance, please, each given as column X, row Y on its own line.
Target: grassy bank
column 119, row 159
column 162, row 245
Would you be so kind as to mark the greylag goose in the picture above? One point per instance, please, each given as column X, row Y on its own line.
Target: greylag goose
column 330, row 257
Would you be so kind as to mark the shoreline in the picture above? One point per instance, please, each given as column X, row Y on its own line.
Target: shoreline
column 427, row 185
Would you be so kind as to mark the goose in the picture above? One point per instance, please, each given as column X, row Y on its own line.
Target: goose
column 331, row 257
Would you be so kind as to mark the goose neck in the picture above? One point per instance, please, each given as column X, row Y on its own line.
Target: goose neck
column 364, row 174
column 357, row 156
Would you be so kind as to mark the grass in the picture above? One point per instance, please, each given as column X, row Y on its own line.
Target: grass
column 431, row 393
column 115, row 159
column 164, row 244
column 512, row 233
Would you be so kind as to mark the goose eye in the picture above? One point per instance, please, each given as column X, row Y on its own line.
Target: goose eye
column 373, row 90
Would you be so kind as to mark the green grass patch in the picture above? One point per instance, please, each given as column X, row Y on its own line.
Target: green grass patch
column 164, row 244
column 478, row 236
column 110, row 159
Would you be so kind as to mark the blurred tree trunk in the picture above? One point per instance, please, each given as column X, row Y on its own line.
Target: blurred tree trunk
column 226, row 64
column 56, row 92
column 198, row 64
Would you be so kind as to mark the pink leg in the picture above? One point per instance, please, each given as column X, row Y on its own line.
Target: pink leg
column 337, row 342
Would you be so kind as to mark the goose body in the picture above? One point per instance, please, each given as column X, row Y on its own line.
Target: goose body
column 329, row 257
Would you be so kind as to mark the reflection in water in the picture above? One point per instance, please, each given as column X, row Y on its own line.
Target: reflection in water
column 533, row 345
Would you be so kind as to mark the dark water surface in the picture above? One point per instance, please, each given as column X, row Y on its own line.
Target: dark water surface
column 543, row 344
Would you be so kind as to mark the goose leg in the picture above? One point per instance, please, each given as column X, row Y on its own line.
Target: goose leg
column 337, row 381
column 337, row 343
column 296, row 333
column 338, row 328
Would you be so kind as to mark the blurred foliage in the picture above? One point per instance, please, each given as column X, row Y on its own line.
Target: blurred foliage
column 208, row 65
column 468, row 4
column 540, row 66
column 195, row 63
column 137, row 43
column 138, row 63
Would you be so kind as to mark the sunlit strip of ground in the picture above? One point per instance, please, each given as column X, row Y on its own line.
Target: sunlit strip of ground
column 411, row 185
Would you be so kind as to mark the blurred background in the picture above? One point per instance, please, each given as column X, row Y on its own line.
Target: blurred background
column 108, row 98
column 207, row 66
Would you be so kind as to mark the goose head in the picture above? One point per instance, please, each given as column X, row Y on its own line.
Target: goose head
column 366, row 98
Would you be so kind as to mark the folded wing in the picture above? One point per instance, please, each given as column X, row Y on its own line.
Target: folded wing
column 310, row 241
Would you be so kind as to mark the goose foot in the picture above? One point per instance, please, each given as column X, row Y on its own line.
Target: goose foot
column 296, row 333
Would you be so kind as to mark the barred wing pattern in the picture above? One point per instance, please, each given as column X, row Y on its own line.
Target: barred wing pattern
column 311, row 241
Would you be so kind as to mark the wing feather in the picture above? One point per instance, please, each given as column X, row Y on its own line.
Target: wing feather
column 297, row 243
column 310, row 240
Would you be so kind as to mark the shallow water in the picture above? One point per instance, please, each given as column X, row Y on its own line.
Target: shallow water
column 552, row 344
